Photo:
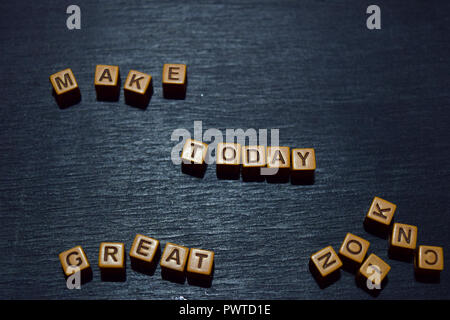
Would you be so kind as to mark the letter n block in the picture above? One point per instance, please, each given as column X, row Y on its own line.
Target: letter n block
column 253, row 160
column 402, row 242
column 75, row 260
column 428, row 263
column 138, row 89
column 278, row 164
column 325, row 266
column 200, row 267
column 111, row 261
column 174, row 81
column 173, row 262
column 144, row 253
column 353, row 251
column 228, row 160
column 303, row 166
column 372, row 274
column 65, row 88
column 107, row 83
column 379, row 217
column 193, row 158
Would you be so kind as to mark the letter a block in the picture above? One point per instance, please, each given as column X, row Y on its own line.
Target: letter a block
column 144, row 253
column 193, row 158
column 75, row 260
column 402, row 242
column 111, row 261
column 107, row 83
column 253, row 160
column 228, row 162
column 174, row 81
column 278, row 164
column 138, row 89
column 200, row 267
column 324, row 266
column 303, row 166
column 173, row 262
column 65, row 88
column 379, row 217
column 353, row 251
column 428, row 263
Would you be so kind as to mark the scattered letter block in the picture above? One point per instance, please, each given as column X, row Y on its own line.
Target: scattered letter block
column 253, row 160
column 144, row 253
column 193, row 158
column 353, row 251
column 324, row 266
column 372, row 274
column 174, row 81
column 200, row 267
column 138, row 89
column 278, row 161
column 65, row 88
column 75, row 260
column 428, row 263
column 111, row 261
column 379, row 217
column 107, row 83
column 303, row 166
column 228, row 162
column 173, row 262
column 402, row 243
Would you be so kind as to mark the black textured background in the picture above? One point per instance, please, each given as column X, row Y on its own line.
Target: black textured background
column 374, row 104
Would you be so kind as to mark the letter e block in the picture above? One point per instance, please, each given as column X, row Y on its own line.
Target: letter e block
column 107, row 83
column 200, row 267
column 144, row 253
column 228, row 161
column 65, row 88
column 74, row 260
column 111, row 261
column 174, row 81
column 353, row 251
column 324, row 265
column 138, row 89
column 253, row 160
column 173, row 262
column 428, row 263
column 193, row 158
column 402, row 242
column 303, row 166
column 379, row 217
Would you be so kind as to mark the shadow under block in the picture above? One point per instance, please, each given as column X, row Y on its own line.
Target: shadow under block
column 372, row 274
column 353, row 251
column 200, row 267
column 278, row 164
column 74, row 260
column 324, row 265
column 379, row 217
column 138, row 89
column 107, row 83
column 303, row 166
column 253, row 161
column 428, row 263
column 174, row 81
column 65, row 88
column 144, row 253
column 173, row 262
column 402, row 241
column 111, row 261
column 193, row 158
column 228, row 160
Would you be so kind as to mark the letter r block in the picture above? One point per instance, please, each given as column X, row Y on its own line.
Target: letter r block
column 143, row 254
column 228, row 161
column 173, row 262
column 324, row 266
column 353, row 251
column 65, row 88
column 138, row 89
column 174, row 81
column 200, row 267
column 193, row 158
column 111, row 261
column 379, row 217
column 74, row 260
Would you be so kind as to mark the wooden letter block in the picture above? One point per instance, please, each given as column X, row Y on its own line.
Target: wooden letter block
column 324, row 266
column 193, row 158
column 75, row 260
column 228, row 161
column 372, row 274
column 353, row 251
column 200, row 267
column 138, row 89
column 111, row 261
column 303, row 166
column 107, row 83
column 379, row 217
column 144, row 253
column 173, row 262
column 174, row 81
column 253, row 160
column 278, row 164
column 428, row 263
column 402, row 243
column 65, row 88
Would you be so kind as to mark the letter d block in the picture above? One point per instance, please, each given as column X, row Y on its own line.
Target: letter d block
column 65, row 88
column 138, row 89
column 324, row 265
column 372, row 274
column 144, row 253
column 253, row 160
column 379, row 217
column 228, row 161
column 428, row 263
column 200, row 267
column 107, row 83
column 174, row 81
column 353, row 251
column 173, row 262
column 111, row 261
column 193, row 158
column 402, row 242
column 74, row 260
column 303, row 166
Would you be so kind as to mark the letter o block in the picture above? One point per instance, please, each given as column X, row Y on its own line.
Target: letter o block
column 353, row 251
column 174, row 81
column 402, row 242
column 200, row 267
column 324, row 265
column 65, row 88
column 228, row 160
column 428, row 263
column 144, row 253
column 107, row 83
column 379, row 217
column 193, row 158
column 111, row 261
column 279, row 162
column 173, row 262
column 75, row 260
column 253, row 160
column 138, row 89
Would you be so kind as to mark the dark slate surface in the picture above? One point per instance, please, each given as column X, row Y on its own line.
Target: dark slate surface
column 374, row 104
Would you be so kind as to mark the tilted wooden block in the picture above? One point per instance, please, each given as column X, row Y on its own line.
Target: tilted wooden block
column 380, row 216
column 193, row 158
column 429, row 262
column 353, row 251
column 111, row 261
column 107, row 82
column 74, row 260
column 138, row 89
column 65, row 88
column 143, row 254
column 253, row 160
column 228, row 160
column 403, row 239
column 173, row 262
column 303, row 166
column 375, row 270
column 174, row 81
column 325, row 265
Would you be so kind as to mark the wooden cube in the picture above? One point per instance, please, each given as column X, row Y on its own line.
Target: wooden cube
column 174, row 81
column 402, row 242
column 138, row 89
column 303, row 166
column 193, row 158
column 372, row 273
column 353, row 251
column 111, row 261
column 253, row 160
column 107, row 82
column 278, row 164
column 428, row 263
column 379, row 217
column 65, row 88
column 324, row 265
column 144, row 254
column 228, row 160
column 74, row 260
column 173, row 262
column 200, row 267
